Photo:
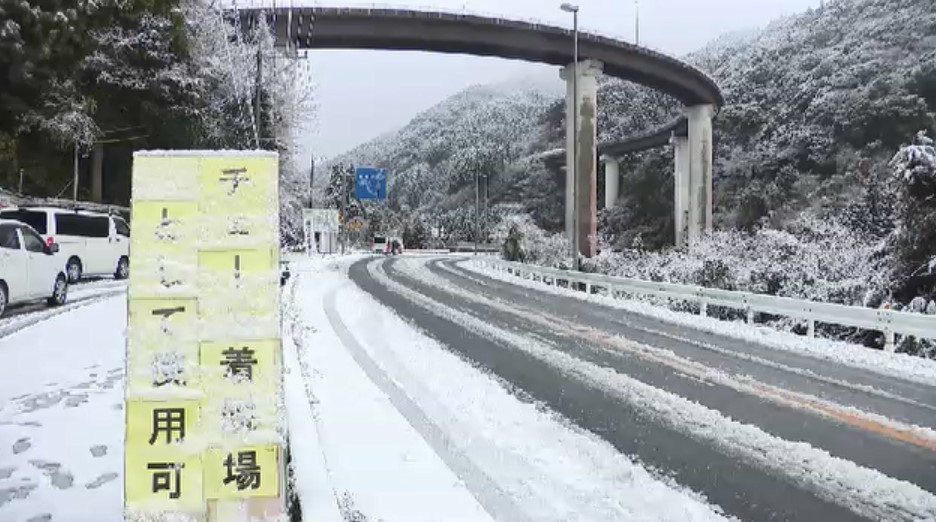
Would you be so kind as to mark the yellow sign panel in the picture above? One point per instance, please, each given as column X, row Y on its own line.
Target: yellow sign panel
column 238, row 185
column 235, row 263
column 250, row 471
column 157, row 223
column 164, row 479
column 163, row 367
column 203, row 333
column 160, row 424
column 157, row 322
column 165, row 177
column 238, row 365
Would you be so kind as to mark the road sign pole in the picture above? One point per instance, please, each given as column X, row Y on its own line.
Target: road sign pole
column 477, row 211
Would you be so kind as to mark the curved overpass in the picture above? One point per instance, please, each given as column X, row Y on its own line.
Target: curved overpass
column 652, row 139
column 395, row 29
column 410, row 30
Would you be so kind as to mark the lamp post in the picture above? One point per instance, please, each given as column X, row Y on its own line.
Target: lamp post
column 574, row 9
column 637, row 22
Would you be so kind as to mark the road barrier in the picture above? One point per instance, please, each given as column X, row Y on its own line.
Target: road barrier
column 889, row 322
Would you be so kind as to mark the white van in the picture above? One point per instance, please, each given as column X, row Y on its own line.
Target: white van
column 30, row 269
column 91, row 243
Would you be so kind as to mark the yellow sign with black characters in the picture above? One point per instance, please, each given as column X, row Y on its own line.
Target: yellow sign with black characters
column 203, row 349
column 248, row 471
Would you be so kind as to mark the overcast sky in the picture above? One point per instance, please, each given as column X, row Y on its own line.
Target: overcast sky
column 353, row 108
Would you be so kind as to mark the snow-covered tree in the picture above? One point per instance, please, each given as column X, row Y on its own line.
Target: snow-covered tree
column 914, row 239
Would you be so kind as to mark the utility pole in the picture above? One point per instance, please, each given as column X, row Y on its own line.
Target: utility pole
column 257, row 102
column 637, row 22
column 574, row 9
column 477, row 210
column 75, row 178
column 311, row 181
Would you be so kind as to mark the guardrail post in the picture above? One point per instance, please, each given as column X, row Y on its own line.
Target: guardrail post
column 889, row 345
column 811, row 328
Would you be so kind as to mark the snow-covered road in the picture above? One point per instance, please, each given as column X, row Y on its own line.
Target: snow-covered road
column 410, row 431
column 765, row 434
column 426, row 389
column 61, row 418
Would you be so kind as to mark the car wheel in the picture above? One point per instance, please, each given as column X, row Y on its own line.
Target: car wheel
column 59, row 291
column 3, row 299
column 73, row 269
column 123, row 268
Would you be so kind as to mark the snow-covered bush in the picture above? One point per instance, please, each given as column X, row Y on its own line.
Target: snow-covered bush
column 916, row 163
column 813, row 258
column 536, row 245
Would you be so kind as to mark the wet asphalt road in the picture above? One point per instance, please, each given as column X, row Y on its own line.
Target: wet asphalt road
column 739, row 487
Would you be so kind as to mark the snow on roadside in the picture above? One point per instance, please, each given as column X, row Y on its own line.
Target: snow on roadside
column 378, row 466
column 902, row 366
column 53, row 461
column 548, row 468
column 78, row 297
column 865, row 491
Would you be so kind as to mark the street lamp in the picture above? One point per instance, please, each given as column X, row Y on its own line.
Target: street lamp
column 571, row 8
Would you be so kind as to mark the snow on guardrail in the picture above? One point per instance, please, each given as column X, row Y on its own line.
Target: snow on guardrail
column 889, row 322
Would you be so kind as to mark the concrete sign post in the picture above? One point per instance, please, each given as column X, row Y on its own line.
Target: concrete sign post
column 204, row 438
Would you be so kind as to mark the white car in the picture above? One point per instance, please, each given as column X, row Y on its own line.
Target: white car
column 30, row 269
column 91, row 243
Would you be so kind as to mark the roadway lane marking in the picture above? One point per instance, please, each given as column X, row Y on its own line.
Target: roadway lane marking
column 863, row 388
column 895, row 430
column 865, row 491
column 494, row 500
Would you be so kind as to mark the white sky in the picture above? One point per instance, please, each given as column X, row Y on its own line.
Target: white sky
column 353, row 110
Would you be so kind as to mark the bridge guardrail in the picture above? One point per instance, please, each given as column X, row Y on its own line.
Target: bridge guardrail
column 889, row 322
column 584, row 31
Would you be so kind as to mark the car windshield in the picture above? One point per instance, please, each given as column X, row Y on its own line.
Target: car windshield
column 34, row 218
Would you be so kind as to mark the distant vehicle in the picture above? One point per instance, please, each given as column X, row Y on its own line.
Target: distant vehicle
column 379, row 245
column 395, row 247
column 387, row 245
column 30, row 269
column 92, row 243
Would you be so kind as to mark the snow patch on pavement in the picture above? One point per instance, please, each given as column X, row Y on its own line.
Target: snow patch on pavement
column 553, row 470
column 378, row 466
column 863, row 490
column 916, row 369
column 56, row 464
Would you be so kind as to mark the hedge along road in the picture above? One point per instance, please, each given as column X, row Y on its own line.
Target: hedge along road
column 764, row 435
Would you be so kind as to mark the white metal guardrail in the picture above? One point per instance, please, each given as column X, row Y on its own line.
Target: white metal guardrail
column 889, row 322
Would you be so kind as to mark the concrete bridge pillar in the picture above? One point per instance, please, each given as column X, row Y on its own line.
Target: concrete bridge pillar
column 612, row 181
column 700, row 170
column 585, row 170
column 681, row 189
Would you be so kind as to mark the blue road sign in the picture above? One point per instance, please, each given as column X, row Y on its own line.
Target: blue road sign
column 370, row 183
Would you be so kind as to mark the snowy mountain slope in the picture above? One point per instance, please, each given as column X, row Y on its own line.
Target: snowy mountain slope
column 813, row 100
column 435, row 158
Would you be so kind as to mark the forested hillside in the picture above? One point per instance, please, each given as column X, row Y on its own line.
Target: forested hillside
column 817, row 107
column 122, row 75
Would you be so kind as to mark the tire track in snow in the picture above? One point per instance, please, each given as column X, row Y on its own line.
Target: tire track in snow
column 460, row 271
column 865, row 491
column 486, row 491
column 882, row 425
column 17, row 323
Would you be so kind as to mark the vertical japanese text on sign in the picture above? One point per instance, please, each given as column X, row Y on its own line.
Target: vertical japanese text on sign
column 203, row 335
